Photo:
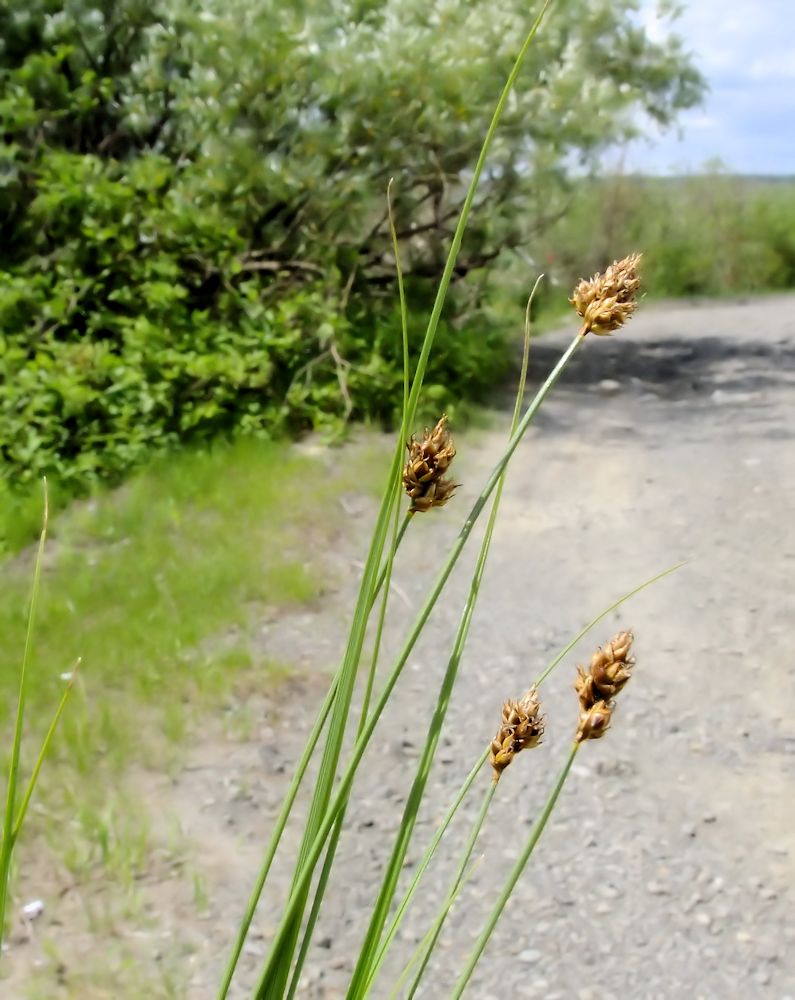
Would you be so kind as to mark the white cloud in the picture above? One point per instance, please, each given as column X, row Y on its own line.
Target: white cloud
column 748, row 59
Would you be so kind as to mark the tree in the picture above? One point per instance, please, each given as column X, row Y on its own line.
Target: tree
column 202, row 176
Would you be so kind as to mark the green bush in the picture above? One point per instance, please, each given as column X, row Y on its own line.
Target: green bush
column 193, row 201
column 141, row 331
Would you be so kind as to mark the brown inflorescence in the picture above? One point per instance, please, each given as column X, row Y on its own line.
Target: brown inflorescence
column 521, row 728
column 609, row 670
column 606, row 301
column 424, row 474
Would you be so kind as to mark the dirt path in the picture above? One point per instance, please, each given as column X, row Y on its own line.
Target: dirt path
column 668, row 871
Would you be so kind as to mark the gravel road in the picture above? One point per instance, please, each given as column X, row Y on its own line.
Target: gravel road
column 668, row 870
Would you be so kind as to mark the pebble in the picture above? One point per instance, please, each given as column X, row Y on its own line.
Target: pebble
column 530, row 955
column 768, row 951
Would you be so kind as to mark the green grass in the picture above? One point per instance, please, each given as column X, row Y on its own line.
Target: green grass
column 156, row 586
column 710, row 234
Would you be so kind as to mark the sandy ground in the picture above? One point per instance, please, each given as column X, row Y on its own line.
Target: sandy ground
column 668, row 870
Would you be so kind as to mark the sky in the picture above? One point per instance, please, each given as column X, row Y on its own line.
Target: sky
column 746, row 51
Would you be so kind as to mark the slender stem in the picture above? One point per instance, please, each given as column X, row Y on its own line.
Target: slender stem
column 436, row 928
column 276, row 971
column 295, row 903
column 368, row 952
column 328, row 861
column 513, row 878
column 426, row 938
column 603, row 614
column 7, row 845
column 43, row 751
column 432, row 847
column 397, row 536
column 287, row 805
column 421, row 867
column 379, row 632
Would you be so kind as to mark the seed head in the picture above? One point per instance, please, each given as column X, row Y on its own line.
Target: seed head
column 429, row 459
column 609, row 670
column 607, row 301
column 595, row 722
column 521, row 728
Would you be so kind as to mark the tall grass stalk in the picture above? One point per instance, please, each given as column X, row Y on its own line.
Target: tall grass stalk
column 276, row 972
column 287, row 805
column 436, row 927
column 513, row 878
column 397, row 534
column 369, row 949
column 45, row 746
column 469, row 781
column 268, row 984
column 10, row 827
column 328, row 861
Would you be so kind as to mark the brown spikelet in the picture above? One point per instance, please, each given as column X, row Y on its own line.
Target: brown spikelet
column 609, row 670
column 521, row 728
column 595, row 722
column 606, row 301
column 424, row 475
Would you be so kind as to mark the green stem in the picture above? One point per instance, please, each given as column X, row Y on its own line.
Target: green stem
column 328, row 861
column 394, row 992
column 432, row 847
column 294, row 905
column 397, row 536
column 430, row 851
column 276, row 972
column 287, row 805
column 514, row 877
column 436, row 929
column 7, row 846
column 368, row 952
column 43, row 752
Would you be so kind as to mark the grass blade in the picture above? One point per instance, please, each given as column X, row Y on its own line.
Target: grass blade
column 397, row 535
column 436, row 927
column 369, row 949
column 513, row 878
column 269, row 985
column 43, row 751
column 7, row 845
column 284, row 815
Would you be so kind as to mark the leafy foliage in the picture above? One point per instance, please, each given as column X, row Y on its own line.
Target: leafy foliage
column 707, row 234
column 194, row 197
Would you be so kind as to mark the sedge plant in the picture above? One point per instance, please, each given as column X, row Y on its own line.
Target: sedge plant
column 603, row 304
column 16, row 805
